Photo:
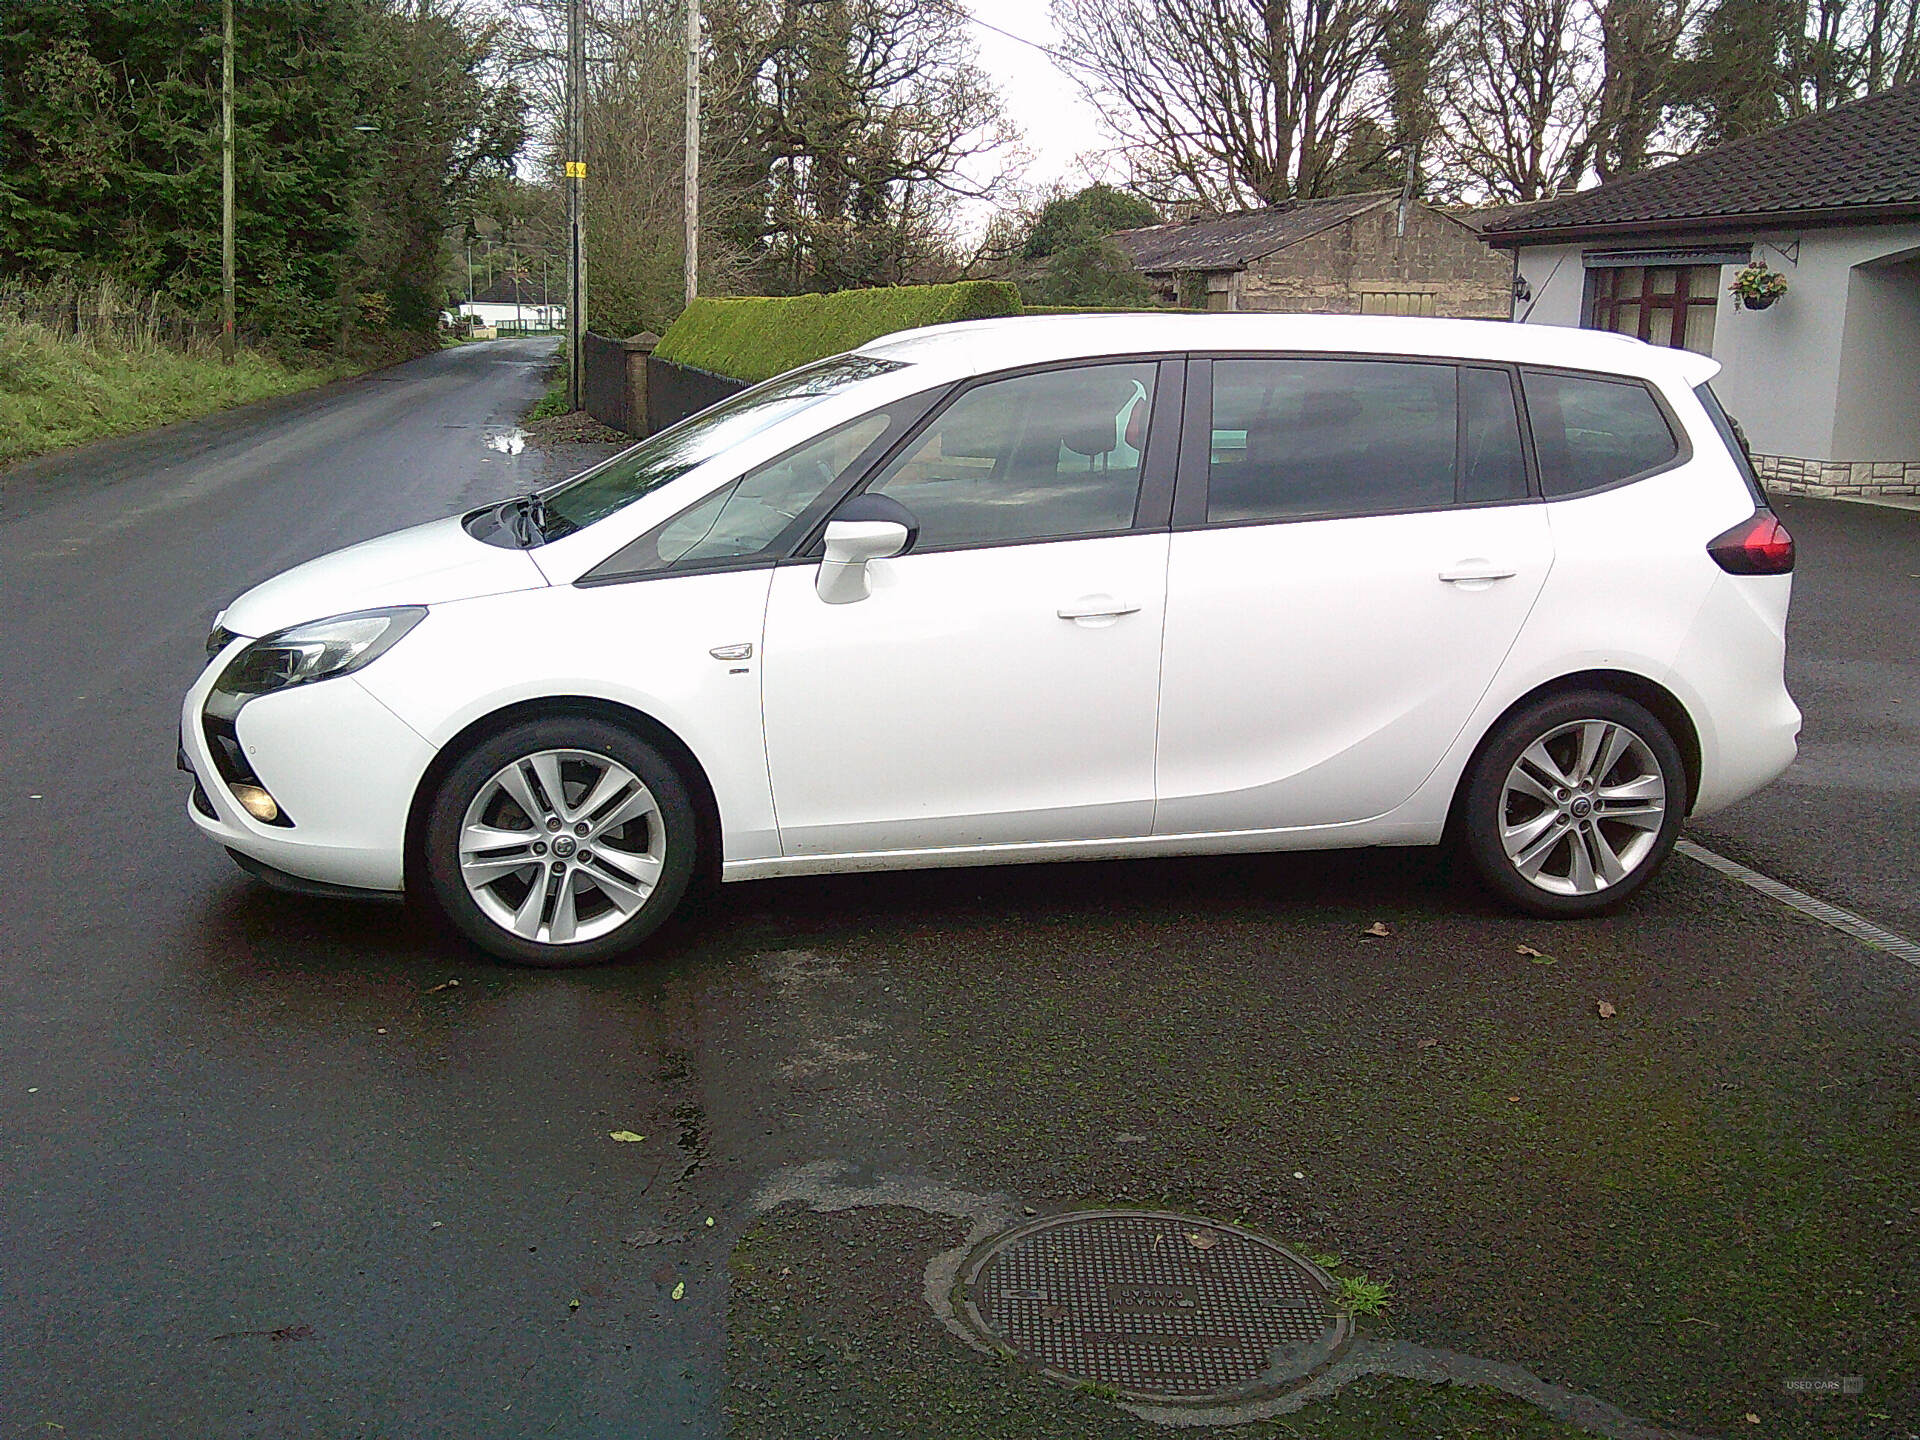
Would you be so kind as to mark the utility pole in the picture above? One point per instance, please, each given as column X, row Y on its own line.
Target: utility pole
column 693, row 150
column 576, row 177
column 226, row 182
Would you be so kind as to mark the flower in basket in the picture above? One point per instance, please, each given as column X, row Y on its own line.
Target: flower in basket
column 1757, row 286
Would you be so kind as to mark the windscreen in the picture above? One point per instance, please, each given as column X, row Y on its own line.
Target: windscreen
column 676, row 450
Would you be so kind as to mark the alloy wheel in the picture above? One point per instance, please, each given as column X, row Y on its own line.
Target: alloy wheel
column 560, row 847
column 1582, row 808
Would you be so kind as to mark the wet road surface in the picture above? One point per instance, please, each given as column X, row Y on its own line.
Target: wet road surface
column 280, row 1167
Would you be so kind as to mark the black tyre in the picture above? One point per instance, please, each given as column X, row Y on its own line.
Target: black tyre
column 561, row 841
column 1573, row 804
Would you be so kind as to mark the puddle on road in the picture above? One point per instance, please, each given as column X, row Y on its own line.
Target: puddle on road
column 507, row 442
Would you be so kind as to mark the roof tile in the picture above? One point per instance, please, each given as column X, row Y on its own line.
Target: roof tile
column 1863, row 154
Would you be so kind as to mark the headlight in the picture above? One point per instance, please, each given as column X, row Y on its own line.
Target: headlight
column 318, row 650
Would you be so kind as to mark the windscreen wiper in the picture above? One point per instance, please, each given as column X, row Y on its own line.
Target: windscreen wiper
column 526, row 516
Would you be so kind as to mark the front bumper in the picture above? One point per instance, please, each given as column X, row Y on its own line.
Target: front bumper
column 342, row 766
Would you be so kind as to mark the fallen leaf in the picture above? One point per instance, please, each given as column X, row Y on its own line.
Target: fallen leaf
column 680, row 1291
column 443, row 985
column 1606, row 1010
column 1202, row 1239
column 1532, row 954
column 573, row 1304
column 709, row 1220
column 1428, row 1044
column 786, row 1269
column 1378, row 927
column 1129, row 1139
column 433, row 1225
column 1752, row 1419
column 625, row 1136
column 1513, row 1099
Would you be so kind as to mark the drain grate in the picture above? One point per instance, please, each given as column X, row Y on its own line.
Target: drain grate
column 1155, row 1306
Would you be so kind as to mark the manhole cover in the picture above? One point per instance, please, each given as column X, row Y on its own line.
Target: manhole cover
column 1157, row 1307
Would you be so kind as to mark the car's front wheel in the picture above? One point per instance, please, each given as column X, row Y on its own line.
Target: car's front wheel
column 1573, row 804
column 560, row 841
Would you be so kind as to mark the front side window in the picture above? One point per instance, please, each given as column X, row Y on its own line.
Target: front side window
column 1042, row 456
column 664, row 458
column 1295, row 438
column 1590, row 431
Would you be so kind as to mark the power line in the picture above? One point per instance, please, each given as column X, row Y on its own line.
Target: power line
column 1058, row 57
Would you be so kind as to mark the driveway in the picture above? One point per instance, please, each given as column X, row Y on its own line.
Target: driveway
column 274, row 1167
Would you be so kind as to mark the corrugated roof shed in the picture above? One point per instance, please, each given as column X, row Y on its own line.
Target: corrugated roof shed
column 1230, row 242
column 1859, row 160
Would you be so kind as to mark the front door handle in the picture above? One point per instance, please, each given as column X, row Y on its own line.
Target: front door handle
column 1469, row 572
column 1096, row 607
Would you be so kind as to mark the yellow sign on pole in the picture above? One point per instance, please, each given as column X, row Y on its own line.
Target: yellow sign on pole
column 576, row 169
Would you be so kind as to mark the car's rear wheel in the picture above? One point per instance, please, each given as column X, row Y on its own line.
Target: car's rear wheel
column 561, row 841
column 1574, row 803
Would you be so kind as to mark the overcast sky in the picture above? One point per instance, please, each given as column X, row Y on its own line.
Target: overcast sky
column 1057, row 123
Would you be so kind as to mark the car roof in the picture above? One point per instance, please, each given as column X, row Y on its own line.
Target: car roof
column 972, row 347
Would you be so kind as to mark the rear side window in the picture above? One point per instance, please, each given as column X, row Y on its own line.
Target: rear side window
column 1590, row 432
column 1330, row 437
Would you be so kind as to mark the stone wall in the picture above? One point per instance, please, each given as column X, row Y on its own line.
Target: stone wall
column 1838, row 477
column 1329, row 273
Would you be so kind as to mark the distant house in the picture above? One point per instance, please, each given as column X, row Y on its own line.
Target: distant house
column 1371, row 254
column 512, row 303
column 1826, row 380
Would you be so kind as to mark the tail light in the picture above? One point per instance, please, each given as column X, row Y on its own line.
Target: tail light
column 1759, row 545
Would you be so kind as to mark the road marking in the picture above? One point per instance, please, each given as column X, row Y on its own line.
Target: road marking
column 1865, row 931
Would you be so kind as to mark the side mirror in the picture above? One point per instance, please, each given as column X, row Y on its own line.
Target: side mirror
column 867, row 527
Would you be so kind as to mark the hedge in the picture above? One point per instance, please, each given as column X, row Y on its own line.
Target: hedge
column 756, row 338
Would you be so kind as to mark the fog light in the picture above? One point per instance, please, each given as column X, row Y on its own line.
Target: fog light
column 257, row 803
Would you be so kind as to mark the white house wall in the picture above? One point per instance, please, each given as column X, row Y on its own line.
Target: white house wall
column 1813, row 378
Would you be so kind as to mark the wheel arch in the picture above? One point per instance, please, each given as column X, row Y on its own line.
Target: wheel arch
column 699, row 788
column 1664, row 705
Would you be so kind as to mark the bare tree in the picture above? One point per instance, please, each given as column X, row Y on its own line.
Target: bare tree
column 864, row 123
column 1640, row 44
column 1231, row 103
column 1525, row 98
column 635, row 115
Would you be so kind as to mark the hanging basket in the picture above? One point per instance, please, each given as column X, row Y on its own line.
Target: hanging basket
column 1757, row 286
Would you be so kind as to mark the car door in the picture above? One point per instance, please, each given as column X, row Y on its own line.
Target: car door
column 1356, row 547
column 998, row 684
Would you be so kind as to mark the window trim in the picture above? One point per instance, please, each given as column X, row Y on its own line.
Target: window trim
column 1158, row 461
column 1682, row 441
column 1681, row 302
column 778, row 551
column 1196, row 439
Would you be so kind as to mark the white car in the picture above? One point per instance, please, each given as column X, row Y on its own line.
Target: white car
column 1037, row 589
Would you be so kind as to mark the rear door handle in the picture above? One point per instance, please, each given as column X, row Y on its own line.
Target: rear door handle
column 1469, row 571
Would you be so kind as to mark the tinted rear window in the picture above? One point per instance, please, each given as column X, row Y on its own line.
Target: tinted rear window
column 1590, row 432
column 1330, row 437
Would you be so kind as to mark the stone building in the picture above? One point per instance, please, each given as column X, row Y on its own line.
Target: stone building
column 1371, row 254
column 1826, row 376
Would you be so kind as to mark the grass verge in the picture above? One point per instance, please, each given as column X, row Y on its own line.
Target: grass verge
column 55, row 392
